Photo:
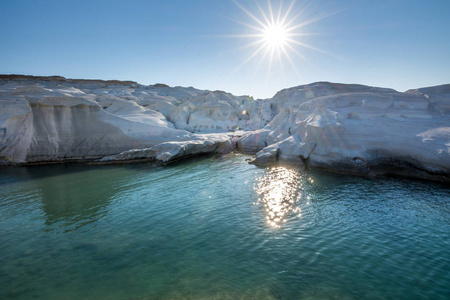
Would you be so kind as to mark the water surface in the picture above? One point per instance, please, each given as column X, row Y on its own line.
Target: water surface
column 219, row 228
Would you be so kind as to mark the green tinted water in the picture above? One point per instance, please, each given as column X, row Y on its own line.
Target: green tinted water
column 219, row 228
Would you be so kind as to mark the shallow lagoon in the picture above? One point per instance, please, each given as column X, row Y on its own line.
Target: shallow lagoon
column 219, row 228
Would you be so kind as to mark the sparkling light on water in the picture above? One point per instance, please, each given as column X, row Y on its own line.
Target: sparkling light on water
column 278, row 191
column 191, row 231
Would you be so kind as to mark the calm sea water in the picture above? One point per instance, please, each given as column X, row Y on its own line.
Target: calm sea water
column 219, row 228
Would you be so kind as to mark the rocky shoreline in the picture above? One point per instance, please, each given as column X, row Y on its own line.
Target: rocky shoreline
column 344, row 128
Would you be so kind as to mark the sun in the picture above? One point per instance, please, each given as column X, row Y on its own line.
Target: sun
column 275, row 32
column 275, row 36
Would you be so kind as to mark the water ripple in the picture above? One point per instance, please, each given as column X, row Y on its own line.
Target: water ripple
column 219, row 228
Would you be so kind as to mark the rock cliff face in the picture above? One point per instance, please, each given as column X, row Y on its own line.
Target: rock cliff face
column 358, row 129
column 52, row 119
column 340, row 127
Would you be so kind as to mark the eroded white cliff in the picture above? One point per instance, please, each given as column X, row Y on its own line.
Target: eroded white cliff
column 340, row 127
column 358, row 129
column 48, row 119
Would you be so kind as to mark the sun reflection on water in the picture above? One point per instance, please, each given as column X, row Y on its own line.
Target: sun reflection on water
column 278, row 192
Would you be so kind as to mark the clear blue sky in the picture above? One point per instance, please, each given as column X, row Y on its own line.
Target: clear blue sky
column 400, row 44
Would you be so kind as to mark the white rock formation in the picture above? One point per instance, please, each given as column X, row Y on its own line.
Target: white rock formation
column 339, row 127
column 174, row 150
column 45, row 119
column 358, row 129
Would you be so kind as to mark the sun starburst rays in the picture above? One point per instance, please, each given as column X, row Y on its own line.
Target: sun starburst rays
column 275, row 34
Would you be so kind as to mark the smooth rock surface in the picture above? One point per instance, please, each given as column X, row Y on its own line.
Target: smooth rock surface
column 358, row 129
column 51, row 119
column 340, row 127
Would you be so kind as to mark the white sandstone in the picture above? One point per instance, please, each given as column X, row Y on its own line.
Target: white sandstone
column 341, row 127
column 349, row 128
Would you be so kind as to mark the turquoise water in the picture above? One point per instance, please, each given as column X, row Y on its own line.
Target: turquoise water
column 219, row 228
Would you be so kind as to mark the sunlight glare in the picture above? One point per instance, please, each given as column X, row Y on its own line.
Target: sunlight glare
column 275, row 36
column 275, row 33
column 278, row 190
